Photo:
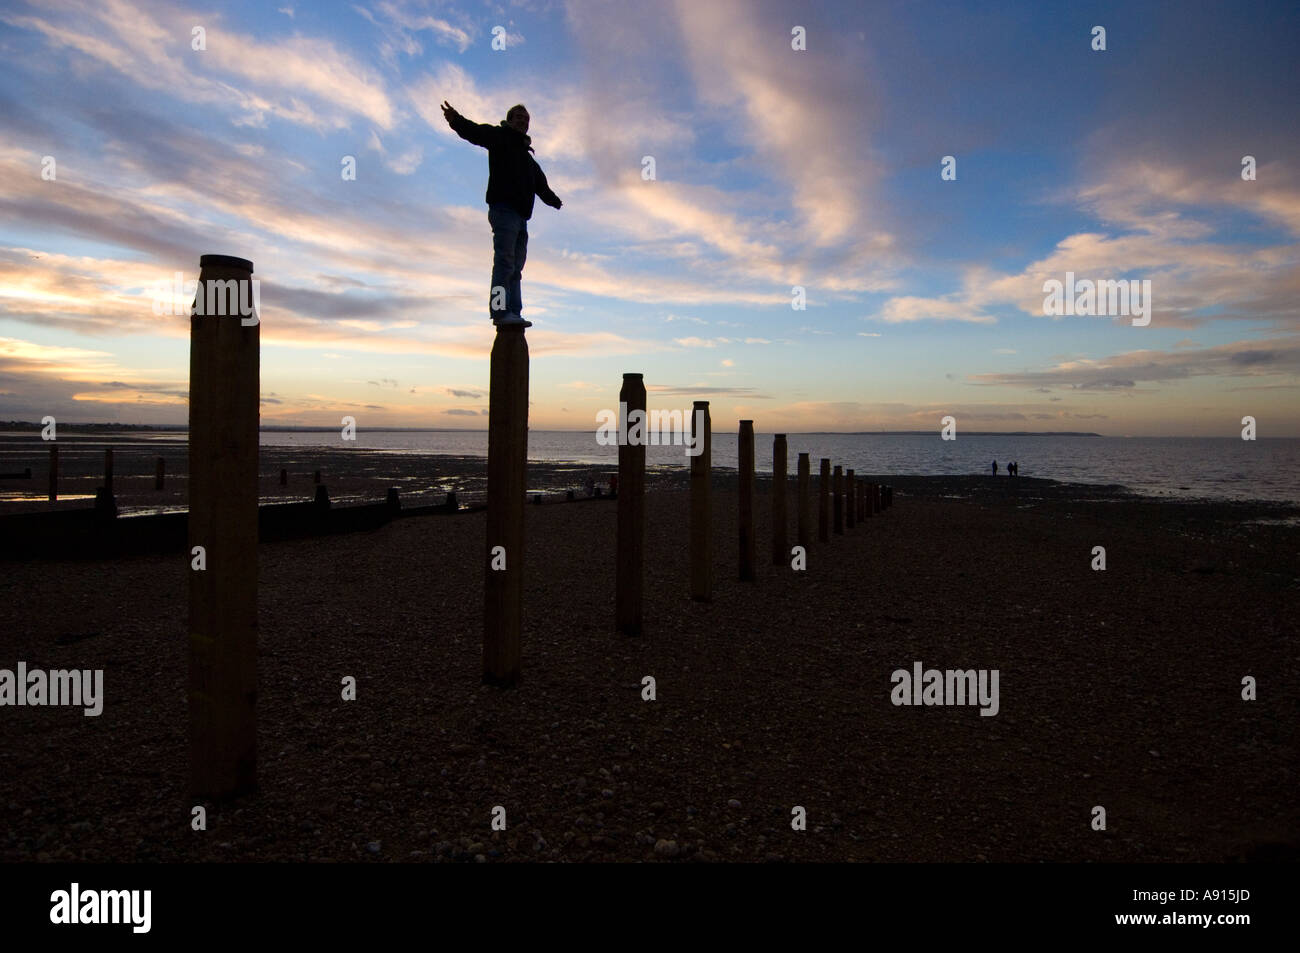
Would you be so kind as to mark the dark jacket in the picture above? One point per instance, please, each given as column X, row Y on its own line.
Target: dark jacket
column 514, row 176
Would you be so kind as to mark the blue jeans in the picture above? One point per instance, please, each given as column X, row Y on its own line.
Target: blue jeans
column 509, row 249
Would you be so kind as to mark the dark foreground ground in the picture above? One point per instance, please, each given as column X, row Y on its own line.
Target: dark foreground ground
column 1119, row 689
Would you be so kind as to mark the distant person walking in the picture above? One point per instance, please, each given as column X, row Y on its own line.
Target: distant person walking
column 995, row 468
column 514, row 178
column 1013, row 469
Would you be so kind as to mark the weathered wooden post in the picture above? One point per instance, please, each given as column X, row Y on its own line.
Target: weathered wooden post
column 224, row 403
column 159, row 472
column 850, row 499
column 702, row 504
column 631, row 507
column 748, row 545
column 837, row 502
column 780, row 540
column 54, row 473
column 804, row 476
column 108, row 470
column 823, row 502
column 503, row 586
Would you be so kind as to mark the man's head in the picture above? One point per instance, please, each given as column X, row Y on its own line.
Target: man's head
column 517, row 118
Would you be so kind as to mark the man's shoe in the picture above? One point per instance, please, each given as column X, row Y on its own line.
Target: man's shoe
column 512, row 321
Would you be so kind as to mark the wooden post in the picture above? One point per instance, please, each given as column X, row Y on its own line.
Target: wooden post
column 54, row 473
column 823, row 502
column 702, row 505
column 850, row 501
column 631, row 507
column 804, row 475
column 223, row 445
column 875, row 497
column 837, row 500
column 284, row 477
column 780, row 540
column 748, row 545
column 108, row 470
column 159, row 472
column 503, row 567
column 316, row 475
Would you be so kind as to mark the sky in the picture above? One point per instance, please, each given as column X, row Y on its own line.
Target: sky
column 798, row 256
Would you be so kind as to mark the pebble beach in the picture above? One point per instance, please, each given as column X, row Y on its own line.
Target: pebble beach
column 1119, row 688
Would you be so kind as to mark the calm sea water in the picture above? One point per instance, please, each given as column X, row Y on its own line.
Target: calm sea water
column 1211, row 467
column 1199, row 467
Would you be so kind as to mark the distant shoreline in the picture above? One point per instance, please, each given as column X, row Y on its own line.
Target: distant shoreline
column 23, row 425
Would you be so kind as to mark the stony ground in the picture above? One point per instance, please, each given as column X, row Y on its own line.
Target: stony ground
column 1119, row 688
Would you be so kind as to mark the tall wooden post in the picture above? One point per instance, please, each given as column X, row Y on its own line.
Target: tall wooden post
column 748, row 545
column 850, row 499
column 159, row 473
column 804, row 475
column 875, row 497
column 631, row 508
column 503, row 568
column 54, row 473
column 837, row 500
column 108, row 470
column 823, row 502
column 702, row 504
column 780, row 540
column 224, row 404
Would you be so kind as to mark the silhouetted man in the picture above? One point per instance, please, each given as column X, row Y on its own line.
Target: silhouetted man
column 514, row 178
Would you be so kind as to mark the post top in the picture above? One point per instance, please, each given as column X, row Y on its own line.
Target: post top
column 779, row 436
column 225, row 261
column 749, row 422
column 700, row 403
column 627, row 374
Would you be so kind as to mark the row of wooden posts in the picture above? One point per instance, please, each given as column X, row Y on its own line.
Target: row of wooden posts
column 844, row 499
column 853, row 500
column 223, row 520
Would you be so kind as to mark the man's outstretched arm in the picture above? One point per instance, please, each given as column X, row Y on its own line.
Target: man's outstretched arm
column 481, row 134
column 544, row 191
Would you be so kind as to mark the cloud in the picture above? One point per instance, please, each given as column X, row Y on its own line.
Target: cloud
column 911, row 308
column 140, row 43
column 1129, row 369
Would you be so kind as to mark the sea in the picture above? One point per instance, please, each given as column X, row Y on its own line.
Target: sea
column 1178, row 467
